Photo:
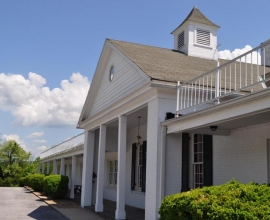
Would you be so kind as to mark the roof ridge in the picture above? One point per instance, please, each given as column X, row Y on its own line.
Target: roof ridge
column 138, row 44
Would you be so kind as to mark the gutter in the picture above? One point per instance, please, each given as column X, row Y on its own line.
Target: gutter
column 163, row 84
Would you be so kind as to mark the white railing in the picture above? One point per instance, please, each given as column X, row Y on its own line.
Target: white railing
column 240, row 76
column 65, row 146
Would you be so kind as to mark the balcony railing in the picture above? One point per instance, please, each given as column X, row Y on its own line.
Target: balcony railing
column 240, row 76
column 65, row 146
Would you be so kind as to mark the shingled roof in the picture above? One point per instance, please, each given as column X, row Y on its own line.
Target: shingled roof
column 197, row 16
column 164, row 64
column 170, row 65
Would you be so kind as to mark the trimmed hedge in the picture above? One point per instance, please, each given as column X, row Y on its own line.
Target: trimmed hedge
column 22, row 181
column 26, row 180
column 36, row 181
column 232, row 200
column 56, row 186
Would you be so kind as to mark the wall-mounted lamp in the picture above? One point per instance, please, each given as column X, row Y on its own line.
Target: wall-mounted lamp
column 213, row 128
column 138, row 136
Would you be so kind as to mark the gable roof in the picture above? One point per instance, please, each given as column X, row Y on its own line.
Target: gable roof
column 157, row 63
column 171, row 65
column 164, row 64
column 197, row 16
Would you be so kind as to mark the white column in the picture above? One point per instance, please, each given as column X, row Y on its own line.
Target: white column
column 48, row 167
column 62, row 166
column 73, row 176
column 43, row 167
column 88, row 158
column 120, row 212
column 101, row 165
column 38, row 169
column 157, row 109
column 162, row 163
column 54, row 167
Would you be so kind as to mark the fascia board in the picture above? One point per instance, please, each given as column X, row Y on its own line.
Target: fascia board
column 103, row 59
column 134, row 101
column 70, row 153
column 130, row 62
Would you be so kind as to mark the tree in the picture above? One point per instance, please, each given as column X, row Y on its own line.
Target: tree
column 13, row 159
column 11, row 152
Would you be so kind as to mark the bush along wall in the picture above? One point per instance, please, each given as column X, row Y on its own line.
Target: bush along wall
column 36, row 181
column 232, row 200
column 56, row 186
column 22, row 181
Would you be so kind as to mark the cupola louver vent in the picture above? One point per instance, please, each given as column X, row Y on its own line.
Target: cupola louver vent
column 203, row 37
column 181, row 40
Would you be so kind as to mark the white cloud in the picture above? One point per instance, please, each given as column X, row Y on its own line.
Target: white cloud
column 42, row 148
column 35, row 134
column 16, row 138
column 33, row 104
column 40, row 141
column 228, row 55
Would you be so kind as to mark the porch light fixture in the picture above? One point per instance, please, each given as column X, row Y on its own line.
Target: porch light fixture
column 138, row 136
column 213, row 128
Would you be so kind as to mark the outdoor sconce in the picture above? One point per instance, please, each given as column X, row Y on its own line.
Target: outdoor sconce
column 138, row 136
column 213, row 128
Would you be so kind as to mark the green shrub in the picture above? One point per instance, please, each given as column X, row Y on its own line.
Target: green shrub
column 21, row 181
column 1, row 182
column 36, row 181
column 10, row 182
column 232, row 200
column 56, row 186
column 26, row 180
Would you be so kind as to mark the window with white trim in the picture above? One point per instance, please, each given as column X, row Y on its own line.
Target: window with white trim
column 138, row 169
column 203, row 37
column 112, row 167
column 198, row 160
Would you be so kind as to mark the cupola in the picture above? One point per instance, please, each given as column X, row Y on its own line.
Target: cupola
column 197, row 36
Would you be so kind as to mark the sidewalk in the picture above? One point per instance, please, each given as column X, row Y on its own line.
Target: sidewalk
column 68, row 208
column 78, row 214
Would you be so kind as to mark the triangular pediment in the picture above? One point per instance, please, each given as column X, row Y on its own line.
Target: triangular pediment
column 104, row 92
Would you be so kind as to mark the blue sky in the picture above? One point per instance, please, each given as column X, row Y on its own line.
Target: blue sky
column 56, row 40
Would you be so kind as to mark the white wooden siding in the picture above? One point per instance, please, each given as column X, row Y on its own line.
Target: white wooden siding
column 126, row 80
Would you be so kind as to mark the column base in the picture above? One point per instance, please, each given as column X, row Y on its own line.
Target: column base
column 99, row 208
column 71, row 196
column 120, row 214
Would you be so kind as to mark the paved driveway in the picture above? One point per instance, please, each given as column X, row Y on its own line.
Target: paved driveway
column 19, row 203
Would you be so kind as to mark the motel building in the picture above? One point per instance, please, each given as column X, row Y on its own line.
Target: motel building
column 159, row 121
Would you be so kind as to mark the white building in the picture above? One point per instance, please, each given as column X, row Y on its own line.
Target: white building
column 220, row 132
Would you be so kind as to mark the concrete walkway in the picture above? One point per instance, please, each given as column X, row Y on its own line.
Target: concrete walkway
column 19, row 203
column 78, row 214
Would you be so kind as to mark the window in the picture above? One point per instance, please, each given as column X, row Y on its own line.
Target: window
column 203, row 37
column 198, row 160
column 138, row 169
column 112, row 173
column 181, row 40
column 111, row 75
column 202, row 160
